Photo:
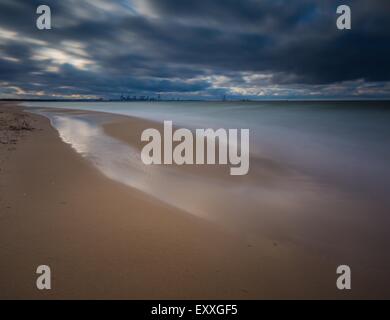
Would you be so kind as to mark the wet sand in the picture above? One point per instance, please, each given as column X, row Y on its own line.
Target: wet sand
column 104, row 240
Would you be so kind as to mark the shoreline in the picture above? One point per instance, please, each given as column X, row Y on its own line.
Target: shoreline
column 104, row 240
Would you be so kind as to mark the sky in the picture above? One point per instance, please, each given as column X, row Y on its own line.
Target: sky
column 198, row 49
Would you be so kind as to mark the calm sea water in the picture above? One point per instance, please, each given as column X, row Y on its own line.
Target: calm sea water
column 342, row 142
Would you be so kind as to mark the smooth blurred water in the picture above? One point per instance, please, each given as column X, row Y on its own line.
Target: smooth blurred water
column 345, row 143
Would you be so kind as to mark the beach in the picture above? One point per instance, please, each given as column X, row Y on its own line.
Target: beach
column 104, row 239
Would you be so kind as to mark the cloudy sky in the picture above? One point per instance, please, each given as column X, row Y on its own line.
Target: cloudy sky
column 257, row 49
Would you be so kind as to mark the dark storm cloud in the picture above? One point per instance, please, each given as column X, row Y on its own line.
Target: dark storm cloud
column 204, row 48
column 299, row 37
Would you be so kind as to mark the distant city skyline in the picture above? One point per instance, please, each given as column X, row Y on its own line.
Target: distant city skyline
column 194, row 50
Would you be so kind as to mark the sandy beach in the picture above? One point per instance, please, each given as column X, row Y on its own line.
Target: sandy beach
column 105, row 240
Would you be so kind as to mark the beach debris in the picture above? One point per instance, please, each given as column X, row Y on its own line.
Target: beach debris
column 12, row 126
column 20, row 125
